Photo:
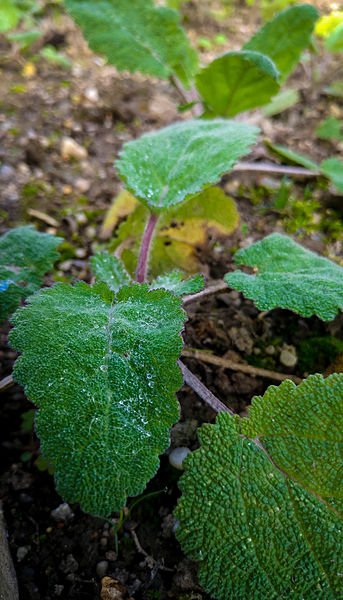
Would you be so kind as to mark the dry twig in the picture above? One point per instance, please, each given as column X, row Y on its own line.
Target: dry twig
column 6, row 383
column 229, row 364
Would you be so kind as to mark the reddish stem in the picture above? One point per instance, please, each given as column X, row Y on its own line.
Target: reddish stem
column 144, row 252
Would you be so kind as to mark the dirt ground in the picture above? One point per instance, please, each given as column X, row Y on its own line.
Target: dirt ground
column 58, row 551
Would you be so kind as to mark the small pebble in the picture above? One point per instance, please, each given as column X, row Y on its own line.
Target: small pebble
column 103, row 542
column 58, row 589
column 6, row 172
column 81, row 252
column 62, row 513
column 22, row 552
column 92, row 94
column 177, row 456
column 101, row 568
column 111, row 555
column 82, row 184
column 81, row 218
column 71, row 149
column 270, row 350
column 288, row 356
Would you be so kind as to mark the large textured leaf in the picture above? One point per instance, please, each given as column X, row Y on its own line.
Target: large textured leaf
column 110, row 269
column 289, row 276
column 180, row 230
column 102, row 371
column 136, row 36
column 285, row 37
column 262, row 500
column 237, row 81
column 25, row 256
column 166, row 167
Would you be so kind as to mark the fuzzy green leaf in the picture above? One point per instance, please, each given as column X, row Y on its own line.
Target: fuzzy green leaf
column 102, row 371
column 181, row 287
column 333, row 168
column 110, row 269
column 251, row 513
column 237, row 81
column 285, row 37
column 289, row 276
column 136, row 36
column 25, row 256
column 166, row 167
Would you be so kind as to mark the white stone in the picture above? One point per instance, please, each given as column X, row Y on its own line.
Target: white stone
column 71, row 149
column 177, row 456
column 288, row 356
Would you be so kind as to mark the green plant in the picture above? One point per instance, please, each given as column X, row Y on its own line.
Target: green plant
column 25, row 257
column 101, row 361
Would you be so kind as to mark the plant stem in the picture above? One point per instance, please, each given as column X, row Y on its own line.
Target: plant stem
column 221, row 286
column 188, row 96
column 271, row 168
column 144, row 251
column 202, row 391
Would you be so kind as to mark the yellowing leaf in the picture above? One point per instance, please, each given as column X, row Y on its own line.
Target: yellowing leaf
column 28, row 70
column 210, row 210
column 179, row 231
column 167, row 254
column 328, row 23
column 121, row 207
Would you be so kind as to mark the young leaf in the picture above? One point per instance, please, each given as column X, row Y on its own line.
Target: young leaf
column 285, row 37
column 333, row 168
column 334, row 43
column 166, row 167
column 330, row 128
column 25, row 256
column 102, row 371
column 237, row 81
column 251, row 512
column 292, row 156
column 110, row 269
column 289, row 276
column 181, row 287
column 136, row 36
column 285, row 99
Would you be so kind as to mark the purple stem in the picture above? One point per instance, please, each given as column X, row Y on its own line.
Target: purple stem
column 144, row 252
